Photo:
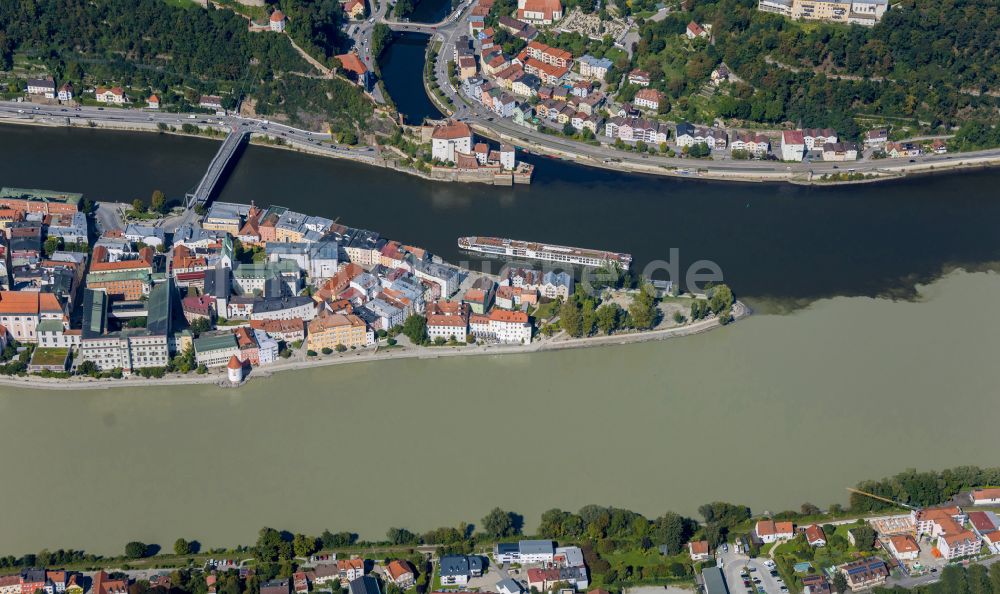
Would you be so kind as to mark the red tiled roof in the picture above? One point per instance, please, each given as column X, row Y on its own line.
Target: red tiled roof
column 513, row 317
column 991, row 493
column 904, row 543
column 792, row 137
column 451, row 131
column 352, row 63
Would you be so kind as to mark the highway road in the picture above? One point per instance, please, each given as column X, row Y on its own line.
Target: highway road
column 60, row 115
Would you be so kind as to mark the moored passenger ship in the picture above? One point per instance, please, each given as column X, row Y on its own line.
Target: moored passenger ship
column 501, row 246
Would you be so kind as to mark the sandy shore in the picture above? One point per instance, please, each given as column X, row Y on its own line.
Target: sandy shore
column 740, row 311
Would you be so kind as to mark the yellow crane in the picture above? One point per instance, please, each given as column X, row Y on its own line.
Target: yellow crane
column 880, row 498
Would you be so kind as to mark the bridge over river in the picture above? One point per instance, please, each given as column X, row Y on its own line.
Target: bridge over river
column 217, row 168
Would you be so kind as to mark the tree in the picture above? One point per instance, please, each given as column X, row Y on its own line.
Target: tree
column 995, row 578
column 720, row 298
column 809, row 509
column 642, row 310
column 499, row 524
column 303, row 545
column 839, row 583
column 272, row 546
column 200, row 325
column 672, row 530
column 136, row 550
column 608, row 317
column 52, row 244
column 864, row 537
column 87, row 368
column 182, row 547
column 570, row 318
column 138, row 206
column 568, row 129
column 415, row 328
column 399, row 536
column 158, row 202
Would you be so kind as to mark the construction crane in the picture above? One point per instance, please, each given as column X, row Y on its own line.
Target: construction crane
column 885, row 499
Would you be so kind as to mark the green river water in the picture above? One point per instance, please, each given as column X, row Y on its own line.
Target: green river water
column 771, row 412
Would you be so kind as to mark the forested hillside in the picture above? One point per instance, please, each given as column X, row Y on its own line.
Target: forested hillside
column 179, row 53
column 930, row 60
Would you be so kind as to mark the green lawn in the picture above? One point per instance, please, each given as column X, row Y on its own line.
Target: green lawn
column 544, row 311
column 181, row 3
column 49, row 356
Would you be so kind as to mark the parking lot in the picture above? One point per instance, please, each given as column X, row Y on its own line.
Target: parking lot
column 744, row 574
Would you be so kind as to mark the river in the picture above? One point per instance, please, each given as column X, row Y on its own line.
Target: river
column 773, row 411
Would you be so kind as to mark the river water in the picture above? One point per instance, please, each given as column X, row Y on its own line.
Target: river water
column 773, row 411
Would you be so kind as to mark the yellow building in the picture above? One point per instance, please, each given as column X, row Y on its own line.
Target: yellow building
column 329, row 330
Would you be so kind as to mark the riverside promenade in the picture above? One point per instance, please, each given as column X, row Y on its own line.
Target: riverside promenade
column 558, row 342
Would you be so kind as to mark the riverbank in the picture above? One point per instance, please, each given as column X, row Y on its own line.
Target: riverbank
column 557, row 343
column 887, row 169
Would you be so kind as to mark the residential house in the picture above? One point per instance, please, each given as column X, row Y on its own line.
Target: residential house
column 288, row 330
column 42, row 86
column 840, row 151
column 595, row 68
column 210, row 102
column 989, row 496
column 815, row 536
column 401, row 573
column 698, row 550
column 904, row 547
column 815, row 138
column 648, row 99
column 22, row 312
column 276, row 586
column 695, row 31
column 363, row 585
column 113, row 96
column 66, row 92
column 865, row 573
column 877, row 137
column 757, row 145
column 556, row 285
column 352, row 67
column 769, row 531
column 639, row 77
column 898, row 150
column 327, row 330
column 455, row 570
